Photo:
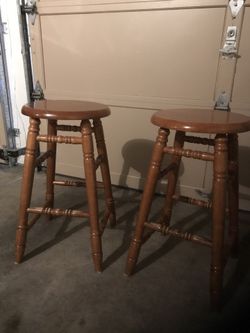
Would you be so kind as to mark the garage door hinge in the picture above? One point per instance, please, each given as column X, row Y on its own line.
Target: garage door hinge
column 235, row 6
column 222, row 102
column 37, row 92
column 229, row 49
column 30, row 8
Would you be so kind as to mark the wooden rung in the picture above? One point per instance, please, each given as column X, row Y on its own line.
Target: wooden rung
column 199, row 140
column 58, row 212
column 68, row 128
column 200, row 155
column 75, row 183
column 193, row 201
column 33, row 221
column 43, row 157
column 59, row 139
column 166, row 230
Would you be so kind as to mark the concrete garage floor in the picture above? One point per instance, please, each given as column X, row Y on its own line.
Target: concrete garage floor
column 56, row 289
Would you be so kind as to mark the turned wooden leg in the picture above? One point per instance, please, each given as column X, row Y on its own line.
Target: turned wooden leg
column 147, row 197
column 172, row 177
column 110, row 214
column 218, row 219
column 233, row 192
column 51, row 165
column 26, row 189
column 90, row 176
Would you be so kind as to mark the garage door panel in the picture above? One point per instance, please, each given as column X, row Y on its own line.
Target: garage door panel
column 92, row 55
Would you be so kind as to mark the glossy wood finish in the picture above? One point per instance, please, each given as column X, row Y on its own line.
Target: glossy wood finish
column 89, row 114
column 147, row 196
column 172, row 177
column 201, row 121
column 65, row 110
column 225, row 180
column 26, row 190
column 110, row 214
column 218, row 218
column 90, row 175
column 51, row 164
column 233, row 192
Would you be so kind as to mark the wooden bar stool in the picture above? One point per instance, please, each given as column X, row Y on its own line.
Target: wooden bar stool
column 225, row 126
column 90, row 115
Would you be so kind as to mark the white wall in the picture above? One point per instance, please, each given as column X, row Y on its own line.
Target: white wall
column 9, row 12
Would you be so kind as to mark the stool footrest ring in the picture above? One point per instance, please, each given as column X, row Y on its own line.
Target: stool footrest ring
column 193, row 201
column 166, row 230
column 59, row 139
column 199, row 140
column 35, row 218
column 75, row 183
column 199, row 155
column 58, row 212
column 68, row 128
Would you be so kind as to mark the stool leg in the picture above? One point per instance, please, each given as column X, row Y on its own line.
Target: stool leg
column 172, row 177
column 26, row 189
column 149, row 188
column 233, row 192
column 102, row 151
column 218, row 219
column 90, row 176
column 51, row 165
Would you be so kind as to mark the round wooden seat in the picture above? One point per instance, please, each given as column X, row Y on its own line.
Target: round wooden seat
column 201, row 121
column 91, row 138
column 65, row 110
